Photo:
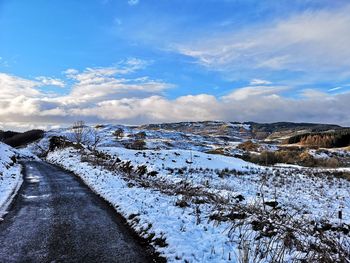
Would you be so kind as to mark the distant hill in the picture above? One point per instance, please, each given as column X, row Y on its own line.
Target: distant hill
column 230, row 130
column 4, row 135
column 283, row 130
column 246, row 130
column 16, row 139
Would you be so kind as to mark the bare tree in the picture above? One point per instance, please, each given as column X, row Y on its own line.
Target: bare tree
column 140, row 135
column 119, row 133
column 95, row 138
column 79, row 131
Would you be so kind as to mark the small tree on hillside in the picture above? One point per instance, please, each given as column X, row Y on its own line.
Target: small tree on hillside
column 119, row 133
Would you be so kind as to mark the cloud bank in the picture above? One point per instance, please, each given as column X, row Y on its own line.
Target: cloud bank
column 106, row 95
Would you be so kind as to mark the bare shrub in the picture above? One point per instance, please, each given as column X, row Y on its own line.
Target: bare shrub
column 140, row 135
column 94, row 138
column 119, row 133
column 59, row 142
column 332, row 162
column 220, row 151
column 248, row 146
column 79, row 131
column 136, row 145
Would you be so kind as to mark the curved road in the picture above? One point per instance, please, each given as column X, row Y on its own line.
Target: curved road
column 56, row 218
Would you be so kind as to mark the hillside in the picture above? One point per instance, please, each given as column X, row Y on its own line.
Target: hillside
column 226, row 130
column 326, row 139
column 278, row 130
column 191, row 204
column 245, row 130
column 16, row 139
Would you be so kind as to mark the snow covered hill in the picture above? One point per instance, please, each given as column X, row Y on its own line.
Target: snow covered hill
column 193, row 206
column 10, row 176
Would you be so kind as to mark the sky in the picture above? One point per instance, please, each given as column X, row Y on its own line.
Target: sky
column 153, row 61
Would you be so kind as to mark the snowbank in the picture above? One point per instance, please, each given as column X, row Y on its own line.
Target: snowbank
column 10, row 176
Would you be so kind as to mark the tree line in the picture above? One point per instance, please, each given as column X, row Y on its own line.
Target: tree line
column 337, row 138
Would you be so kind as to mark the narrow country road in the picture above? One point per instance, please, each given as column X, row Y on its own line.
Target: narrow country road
column 56, row 218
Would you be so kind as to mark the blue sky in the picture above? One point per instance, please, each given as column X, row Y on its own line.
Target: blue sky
column 104, row 60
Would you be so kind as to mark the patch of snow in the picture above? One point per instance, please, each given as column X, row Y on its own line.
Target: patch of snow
column 10, row 177
column 318, row 154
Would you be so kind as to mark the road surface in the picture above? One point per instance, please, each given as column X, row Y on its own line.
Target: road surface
column 56, row 218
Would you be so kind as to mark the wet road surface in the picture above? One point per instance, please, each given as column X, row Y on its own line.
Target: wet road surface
column 56, row 218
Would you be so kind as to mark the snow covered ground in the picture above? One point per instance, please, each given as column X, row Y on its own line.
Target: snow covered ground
column 162, row 159
column 10, row 176
column 180, row 227
column 152, row 213
column 217, row 170
column 198, row 207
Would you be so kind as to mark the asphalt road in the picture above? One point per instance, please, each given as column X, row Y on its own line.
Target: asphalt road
column 56, row 218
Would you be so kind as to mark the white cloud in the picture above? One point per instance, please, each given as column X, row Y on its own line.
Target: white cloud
column 254, row 82
column 24, row 126
column 133, row 2
column 50, row 81
column 249, row 103
column 124, row 67
column 261, row 108
column 135, row 63
column 103, row 95
column 13, row 86
column 71, row 71
column 21, row 100
column 94, row 84
column 153, row 109
column 314, row 42
column 20, row 104
column 335, row 89
column 254, row 91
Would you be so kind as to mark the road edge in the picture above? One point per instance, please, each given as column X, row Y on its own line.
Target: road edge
column 4, row 207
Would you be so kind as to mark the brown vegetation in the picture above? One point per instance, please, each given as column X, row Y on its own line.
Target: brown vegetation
column 220, row 151
column 140, row 135
column 248, row 146
column 59, row 142
column 339, row 138
column 291, row 156
column 136, row 145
